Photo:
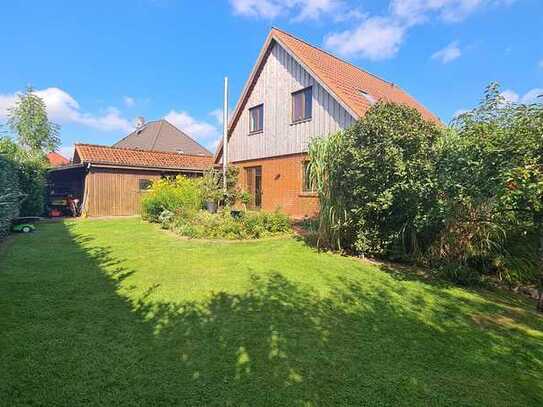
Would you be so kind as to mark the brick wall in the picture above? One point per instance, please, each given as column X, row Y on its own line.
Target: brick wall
column 282, row 185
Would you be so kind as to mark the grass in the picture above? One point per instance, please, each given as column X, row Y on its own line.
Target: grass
column 117, row 312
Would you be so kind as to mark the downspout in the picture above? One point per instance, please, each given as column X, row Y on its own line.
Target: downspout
column 225, row 135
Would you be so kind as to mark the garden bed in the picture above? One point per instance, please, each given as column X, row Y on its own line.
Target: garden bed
column 177, row 205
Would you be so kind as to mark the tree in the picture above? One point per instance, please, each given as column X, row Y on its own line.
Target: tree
column 29, row 122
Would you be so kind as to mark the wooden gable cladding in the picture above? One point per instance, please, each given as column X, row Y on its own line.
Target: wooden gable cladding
column 278, row 78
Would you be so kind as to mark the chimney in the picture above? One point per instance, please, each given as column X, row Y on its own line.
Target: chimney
column 140, row 122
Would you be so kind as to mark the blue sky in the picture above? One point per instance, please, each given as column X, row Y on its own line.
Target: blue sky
column 101, row 64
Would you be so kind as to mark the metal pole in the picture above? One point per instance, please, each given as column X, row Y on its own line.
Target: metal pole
column 225, row 133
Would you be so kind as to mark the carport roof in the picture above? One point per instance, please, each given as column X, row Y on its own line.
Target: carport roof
column 125, row 157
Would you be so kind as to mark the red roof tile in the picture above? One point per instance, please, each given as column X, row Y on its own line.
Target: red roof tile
column 345, row 80
column 96, row 154
column 56, row 160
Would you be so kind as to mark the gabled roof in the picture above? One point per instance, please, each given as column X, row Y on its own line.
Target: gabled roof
column 355, row 89
column 57, row 160
column 161, row 135
column 124, row 157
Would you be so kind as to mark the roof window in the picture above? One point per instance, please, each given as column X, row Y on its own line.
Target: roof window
column 371, row 99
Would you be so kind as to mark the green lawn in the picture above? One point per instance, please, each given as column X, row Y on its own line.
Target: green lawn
column 117, row 312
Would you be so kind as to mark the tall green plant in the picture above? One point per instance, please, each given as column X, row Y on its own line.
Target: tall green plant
column 29, row 122
column 326, row 156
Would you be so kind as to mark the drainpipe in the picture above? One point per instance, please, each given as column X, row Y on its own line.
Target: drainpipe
column 225, row 134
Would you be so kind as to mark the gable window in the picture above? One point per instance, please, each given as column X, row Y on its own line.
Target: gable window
column 307, row 185
column 256, row 119
column 144, row 184
column 302, row 104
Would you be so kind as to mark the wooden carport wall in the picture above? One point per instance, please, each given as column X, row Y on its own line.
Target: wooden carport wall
column 114, row 190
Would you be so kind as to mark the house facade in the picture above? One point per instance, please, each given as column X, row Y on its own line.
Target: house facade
column 295, row 93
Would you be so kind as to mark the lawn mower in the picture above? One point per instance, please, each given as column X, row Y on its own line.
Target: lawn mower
column 24, row 224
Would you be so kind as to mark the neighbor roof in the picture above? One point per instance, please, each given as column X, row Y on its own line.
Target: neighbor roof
column 57, row 160
column 161, row 135
column 355, row 89
column 124, row 157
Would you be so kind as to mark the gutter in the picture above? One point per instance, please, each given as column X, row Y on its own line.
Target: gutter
column 128, row 167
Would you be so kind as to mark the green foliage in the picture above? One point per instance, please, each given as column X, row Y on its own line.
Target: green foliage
column 222, row 225
column 30, row 173
column 211, row 185
column 177, row 194
column 29, row 122
column 376, row 181
column 459, row 198
column 245, row 198
column 232, row 186
column 10, row 194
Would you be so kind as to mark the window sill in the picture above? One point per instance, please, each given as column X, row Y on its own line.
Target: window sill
column 252, row 133
column 307, row 194
column 300, row 121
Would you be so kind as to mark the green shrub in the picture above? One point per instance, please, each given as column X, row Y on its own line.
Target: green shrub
column 10, row 194
column 174, row 194
column 30, row 170
column 467, row 198
column 222, row 225
column 376, row 182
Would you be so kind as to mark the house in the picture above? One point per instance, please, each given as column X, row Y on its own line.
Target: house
column 296, row 92
column 161, row 135
column 56, row 160
column 110, row 181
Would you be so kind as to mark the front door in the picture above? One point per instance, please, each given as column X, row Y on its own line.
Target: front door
column 254, row 186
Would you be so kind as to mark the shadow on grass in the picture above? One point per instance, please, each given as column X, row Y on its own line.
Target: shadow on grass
column 76, row 337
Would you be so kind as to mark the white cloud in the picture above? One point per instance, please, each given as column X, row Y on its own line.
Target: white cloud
column 532, row 96
column 448, row 54
column 376, row 38
column 6, row 101
column 510, row 96
column 298, row 9
column 62, row 108
column 218, row 115
column 198, row 129
column 419, row 11
column 372, row 36
column 380, row 37
column 129, row 101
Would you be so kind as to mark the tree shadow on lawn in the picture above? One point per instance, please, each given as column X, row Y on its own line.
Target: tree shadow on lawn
column 89, row 339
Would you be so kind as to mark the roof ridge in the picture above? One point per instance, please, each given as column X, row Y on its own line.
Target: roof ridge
column 187, row 135
column 334, row 56
column 139, row 150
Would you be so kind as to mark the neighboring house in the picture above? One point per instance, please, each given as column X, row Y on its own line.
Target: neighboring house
column 110, row 181
column 57, row 160
column 161, row 135
column 296, row 92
